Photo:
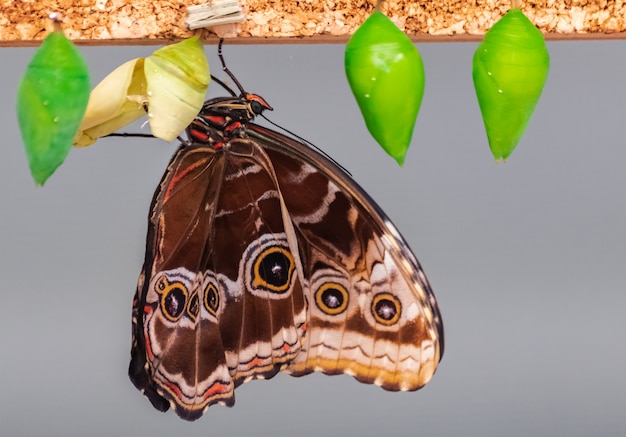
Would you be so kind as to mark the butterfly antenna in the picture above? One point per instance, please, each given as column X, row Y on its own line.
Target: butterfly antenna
column 223, row 85
column 225, row 68
column 304, row 140
column 232, row 76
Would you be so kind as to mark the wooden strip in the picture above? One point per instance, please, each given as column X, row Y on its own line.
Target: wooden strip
column 148, row 22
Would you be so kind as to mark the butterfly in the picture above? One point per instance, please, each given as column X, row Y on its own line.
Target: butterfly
column 264, row 256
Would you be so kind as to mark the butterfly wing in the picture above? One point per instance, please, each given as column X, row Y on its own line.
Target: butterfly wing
column 371, row 312
column 219, row 300
column 265, row 256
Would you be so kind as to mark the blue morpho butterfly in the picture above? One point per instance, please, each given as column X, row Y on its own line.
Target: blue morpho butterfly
column 262, row 256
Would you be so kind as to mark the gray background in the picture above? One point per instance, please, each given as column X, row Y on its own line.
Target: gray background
column 527, row 259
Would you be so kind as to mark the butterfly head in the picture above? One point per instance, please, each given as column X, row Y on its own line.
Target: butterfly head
column 257, row 103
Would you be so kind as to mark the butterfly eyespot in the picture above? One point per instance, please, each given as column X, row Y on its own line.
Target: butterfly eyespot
column 332, row 298
column 161, row 284
column 173, row 301
column 386, row 309
column 211, row 299
column 273, row 269
column 193, row 307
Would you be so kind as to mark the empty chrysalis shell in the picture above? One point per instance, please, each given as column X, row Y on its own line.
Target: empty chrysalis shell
column 170, row 85
column 51, row 100
column 119, row 99
column 386, row 75
column 177, row 77
column 510, row 68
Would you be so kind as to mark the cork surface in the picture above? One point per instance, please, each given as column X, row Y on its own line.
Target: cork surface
column 24, row 22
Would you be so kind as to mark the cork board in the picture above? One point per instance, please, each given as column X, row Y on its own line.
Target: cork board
column 111, row 22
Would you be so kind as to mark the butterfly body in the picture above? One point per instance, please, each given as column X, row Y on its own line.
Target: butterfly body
column 264, row 256
column 223, row 118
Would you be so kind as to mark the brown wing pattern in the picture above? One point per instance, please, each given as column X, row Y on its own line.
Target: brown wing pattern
column 263, row 256
column 371, row 313
column 219, row 301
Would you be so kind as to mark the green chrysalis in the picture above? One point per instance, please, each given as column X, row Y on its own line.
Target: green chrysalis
column 51, row 100
column 510, row 68
column 386, row 75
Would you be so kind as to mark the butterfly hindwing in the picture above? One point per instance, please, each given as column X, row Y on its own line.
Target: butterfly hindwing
column 175, row 346
column 371, row 311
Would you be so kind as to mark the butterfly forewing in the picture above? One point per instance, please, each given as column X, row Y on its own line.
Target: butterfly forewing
column 264, row 315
